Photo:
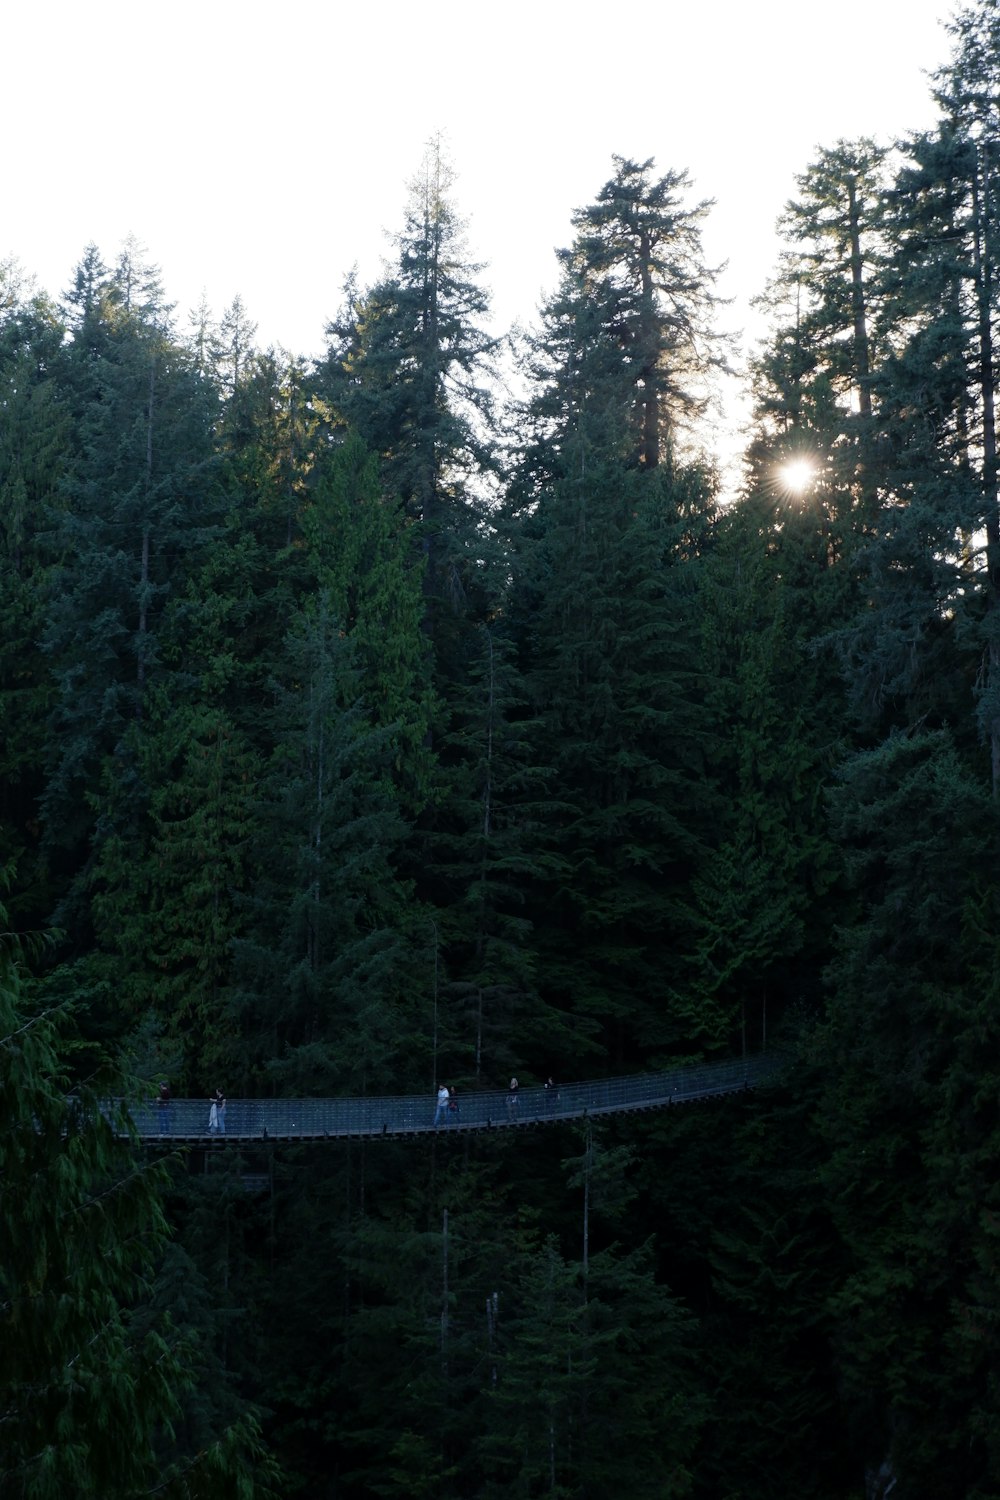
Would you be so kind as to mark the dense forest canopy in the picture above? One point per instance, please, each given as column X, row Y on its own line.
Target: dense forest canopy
column 367, row 728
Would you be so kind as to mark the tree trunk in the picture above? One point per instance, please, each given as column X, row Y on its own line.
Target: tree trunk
column 983, row 283
column 649, row 451
column 144, row 563
column 861, row 346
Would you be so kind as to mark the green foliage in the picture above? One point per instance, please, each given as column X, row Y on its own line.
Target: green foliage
column 138, row 505
column 490, row 1014
column 615, row 690
column 360, row 556
column 409, row 369
column 165, row 901
column 408, row 361
column 84, row 1358
column 922, row 838
column 760, row 912
column 33, row 440
column 324, row 956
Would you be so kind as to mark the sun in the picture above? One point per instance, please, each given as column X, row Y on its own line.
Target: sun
column 797, row 475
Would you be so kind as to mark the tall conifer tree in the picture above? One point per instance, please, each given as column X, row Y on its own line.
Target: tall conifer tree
column 604, row 605
column 138, row 505
column 34, row 439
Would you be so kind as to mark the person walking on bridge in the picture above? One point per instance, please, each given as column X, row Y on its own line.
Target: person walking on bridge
column 217, row 1113
column 512, row 1088
column 442, row 1104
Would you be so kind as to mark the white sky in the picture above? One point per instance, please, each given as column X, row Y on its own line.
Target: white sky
column 264, row 149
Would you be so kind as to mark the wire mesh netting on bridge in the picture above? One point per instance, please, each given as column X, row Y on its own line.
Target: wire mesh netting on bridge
column 414, row 1114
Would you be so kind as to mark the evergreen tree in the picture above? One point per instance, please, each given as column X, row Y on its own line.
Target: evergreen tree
column 83, row 1359
column 852, row 389
column 322, row 973
column 834, row 228
column 138, row 505
column 762, row 905
column 637, row 254
column 232, row 347
column 408, row 362
column 604, row 608
column 903, row 997
column 968, row 90
column 491, row 1014
column 616, row 692
column 408, row 367
column 816, row 380
column 359, row 554
column 171, row 919
column 33, row 442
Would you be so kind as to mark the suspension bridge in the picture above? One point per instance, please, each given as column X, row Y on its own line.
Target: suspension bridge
column 415, row 1114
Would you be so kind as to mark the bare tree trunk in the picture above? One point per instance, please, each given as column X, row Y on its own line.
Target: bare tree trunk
column 588, row 1161
column 444, row 1296
column 144, row 562
column 862, row 359
column 492, row 1313
column 983, row 282
column 434, row 1014
column 649, row 451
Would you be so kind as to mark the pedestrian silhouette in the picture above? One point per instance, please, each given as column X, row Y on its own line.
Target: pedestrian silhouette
column 512, row 1088
column 217, row 1113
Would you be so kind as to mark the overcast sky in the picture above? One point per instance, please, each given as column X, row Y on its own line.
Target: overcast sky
column 264, row 149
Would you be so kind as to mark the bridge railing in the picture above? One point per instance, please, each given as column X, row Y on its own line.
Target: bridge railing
column 415, row 1114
